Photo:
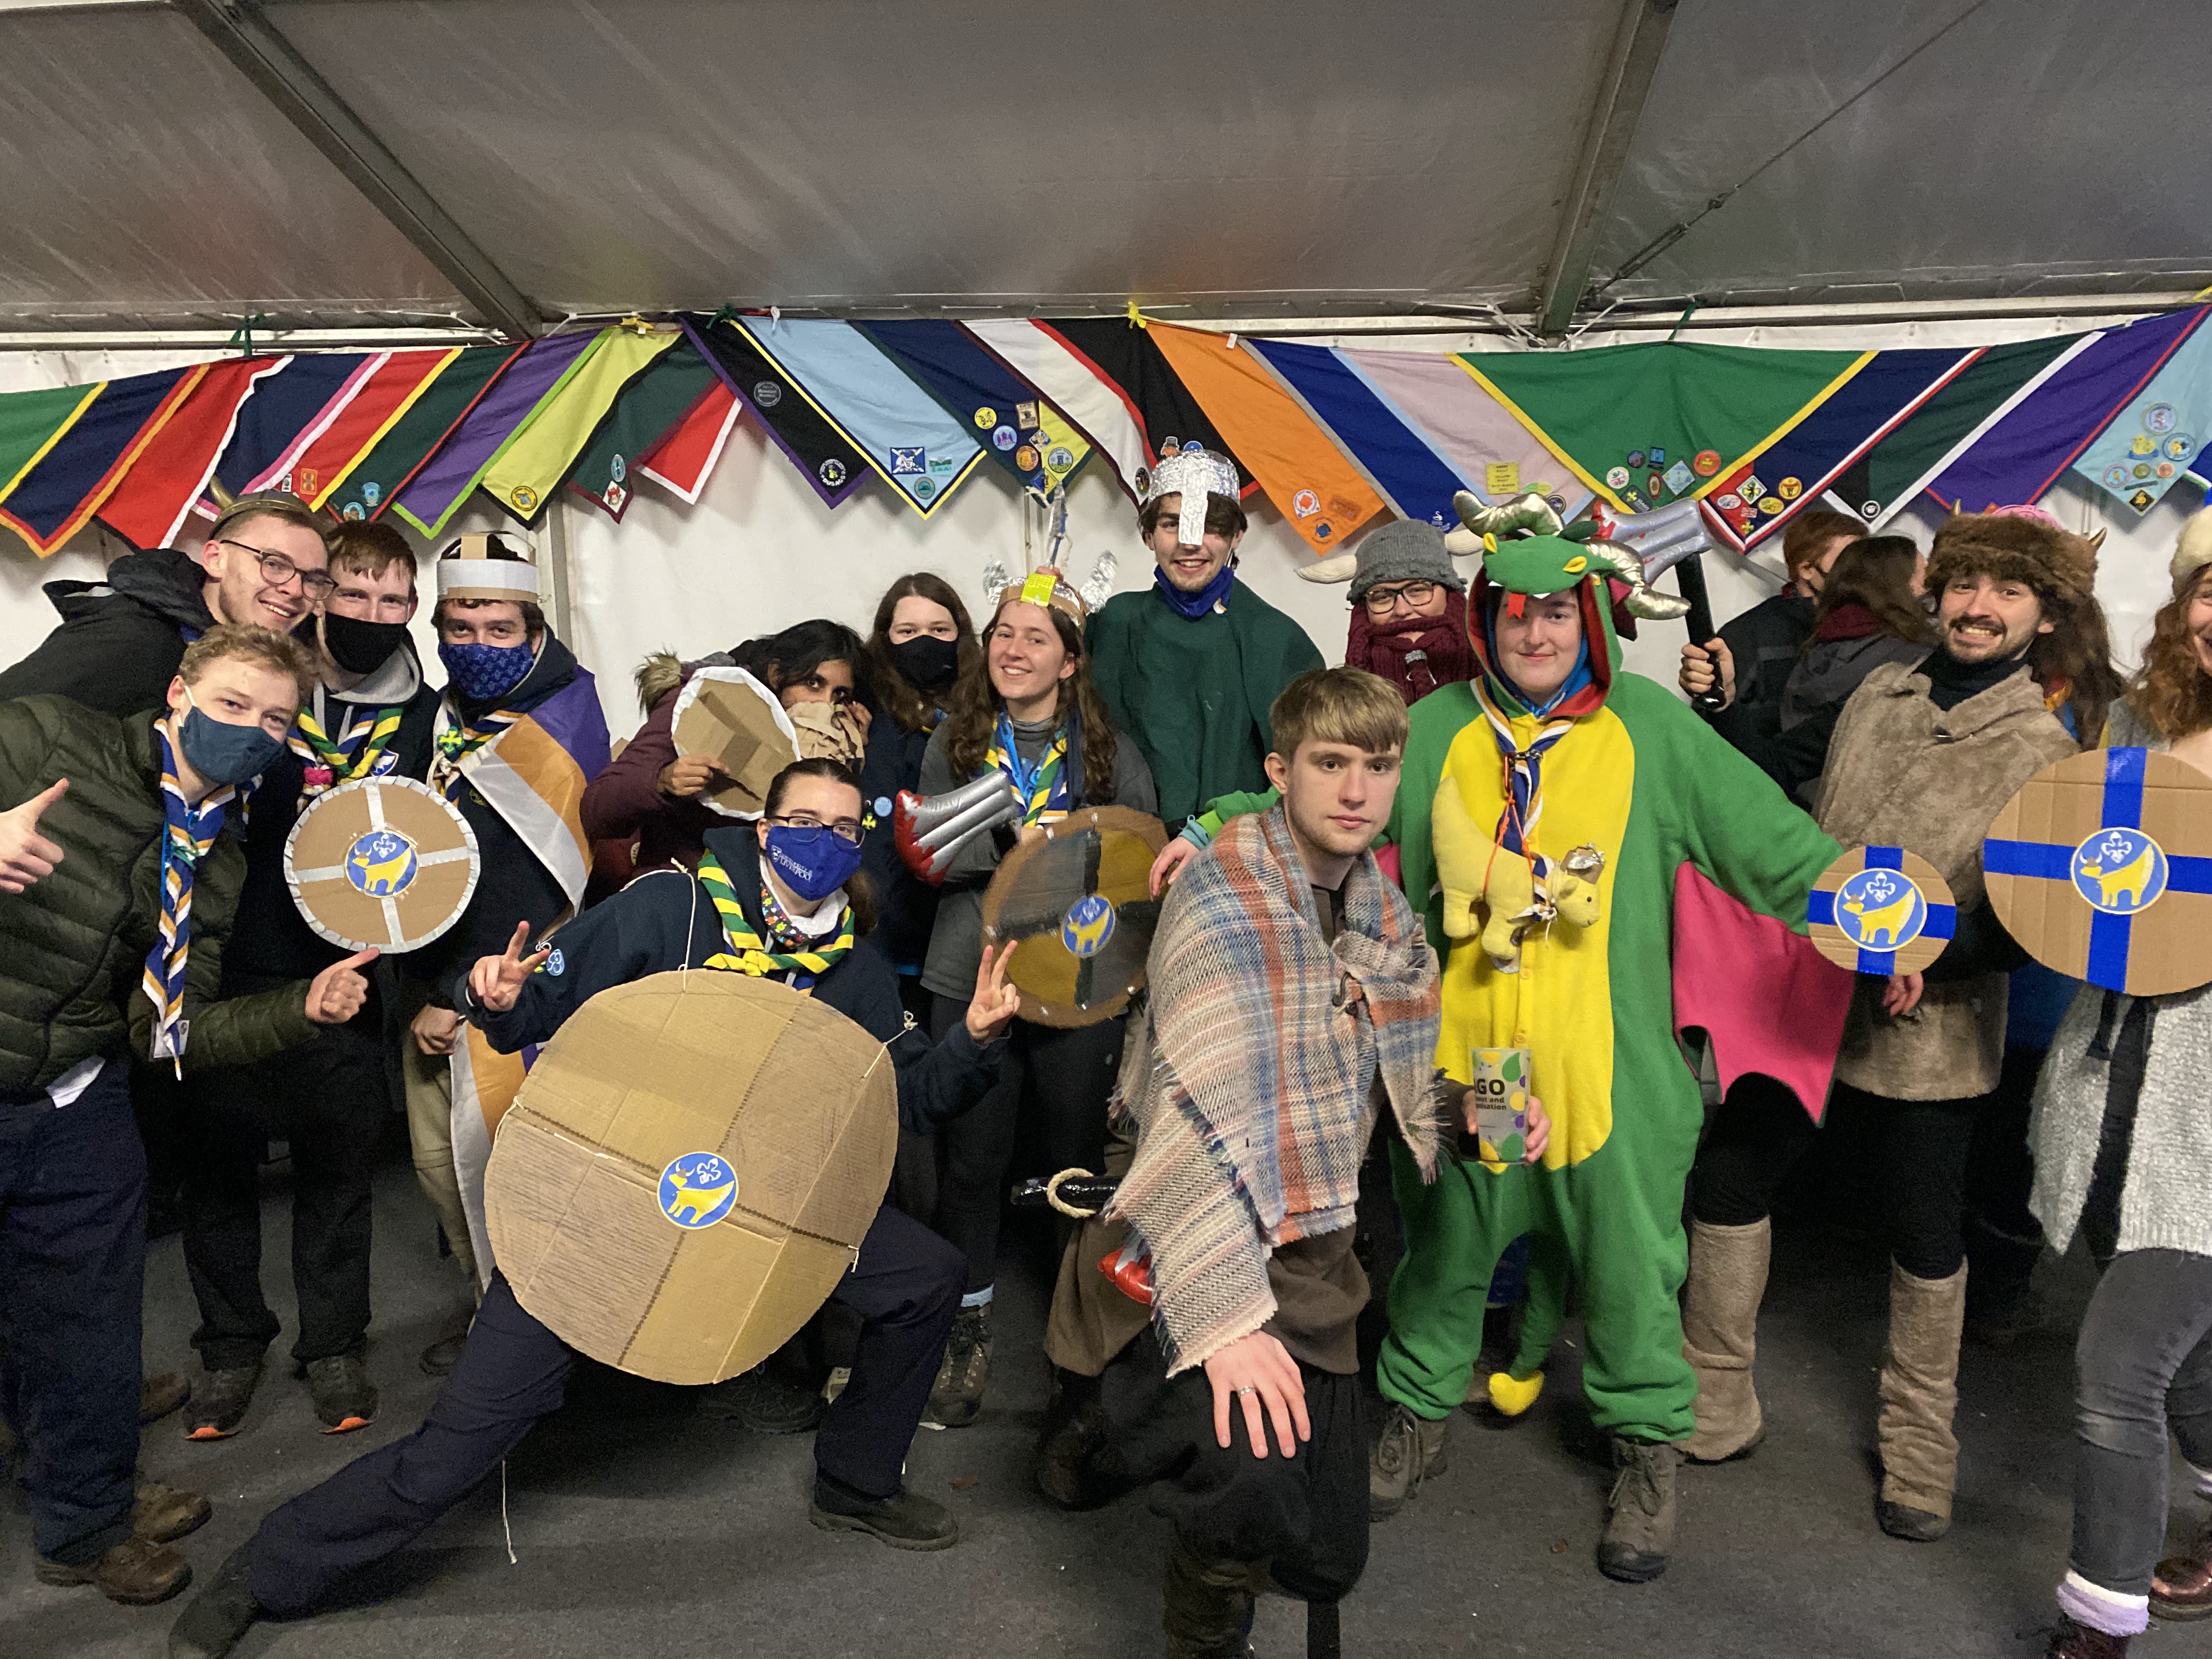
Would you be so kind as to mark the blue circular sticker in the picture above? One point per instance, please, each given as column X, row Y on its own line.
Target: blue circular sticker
column 1088, row 925
column 698, row 1190
column 2119, row 871
column 381, row 864
column 1880, row 909
column 1005, row 438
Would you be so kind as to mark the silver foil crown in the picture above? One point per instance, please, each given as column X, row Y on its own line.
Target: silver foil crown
column 1192, row 474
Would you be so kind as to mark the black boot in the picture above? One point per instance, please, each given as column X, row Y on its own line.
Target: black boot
column 1208, row 1605
column 763, row 1403
column 905, row 1520
column 213, row 1620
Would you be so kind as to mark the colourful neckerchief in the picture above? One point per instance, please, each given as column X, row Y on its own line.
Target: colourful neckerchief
column 187, row 833
column 749, row 953
column 361, row 741
column 1042, row 787
column 1524, row 773
column 457, row 740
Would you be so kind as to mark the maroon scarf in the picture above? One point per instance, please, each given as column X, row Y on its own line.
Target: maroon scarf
column 1421, row 656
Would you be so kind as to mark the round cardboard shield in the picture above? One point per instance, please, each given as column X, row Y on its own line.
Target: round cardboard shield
column 689, row 1167
column 2101, row 867
column 382, row 861
column 1076, row 903
column 1881, row 910
column 732, row 719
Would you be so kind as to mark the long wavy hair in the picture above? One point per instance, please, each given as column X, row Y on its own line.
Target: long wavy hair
column 901, row 701
column 2171, row 690
column 2073, row 663
column 1876, row 572
column 974, row 710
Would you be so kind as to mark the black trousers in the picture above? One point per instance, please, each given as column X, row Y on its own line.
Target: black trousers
column 72, row 1280
column 332, row 1101
column 1047, row 1109
column 1922, row 1146
column 1304, row 1515
column 906, row 1289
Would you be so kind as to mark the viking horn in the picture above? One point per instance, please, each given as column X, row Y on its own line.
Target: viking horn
column 1336, row 567
column 1528, row 511
column 1641, row 602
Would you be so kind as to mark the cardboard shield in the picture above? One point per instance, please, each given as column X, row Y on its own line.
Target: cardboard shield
column 732, row 719
column 1881, row 910
column 690, row 1165
column 382, row 861
column 2101, row 867
column 1076, row 903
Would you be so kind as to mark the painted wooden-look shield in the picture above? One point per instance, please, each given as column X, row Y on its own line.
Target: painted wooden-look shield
column 1075, row 902
column 2101, row 867
column 387, row 862
column 1881, row 910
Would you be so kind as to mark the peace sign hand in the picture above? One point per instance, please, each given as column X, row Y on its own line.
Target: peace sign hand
column 995, row 1002
column 495, row 982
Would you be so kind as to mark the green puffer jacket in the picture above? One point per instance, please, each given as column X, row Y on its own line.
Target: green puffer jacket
column 73, row 946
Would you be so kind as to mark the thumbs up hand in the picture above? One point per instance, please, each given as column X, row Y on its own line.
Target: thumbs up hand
column 339, row 990
column 495, row 982
column 26, row 855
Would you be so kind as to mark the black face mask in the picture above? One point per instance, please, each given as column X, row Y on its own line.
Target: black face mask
column 927, row 663
column 361, row 647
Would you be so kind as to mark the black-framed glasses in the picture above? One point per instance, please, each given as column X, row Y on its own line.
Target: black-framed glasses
column 1381, row 601
column 276, row 570
column 847, row 829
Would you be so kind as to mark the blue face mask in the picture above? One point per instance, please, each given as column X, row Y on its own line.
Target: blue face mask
column 485, row 671
column 811, row 860
column 224, row 754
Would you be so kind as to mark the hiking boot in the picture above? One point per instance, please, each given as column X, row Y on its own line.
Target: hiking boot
column 442, row 1356
column 344, row 1398
column 134, row 1572
column 1920, row 1389
column 160, row 1394
column 219, row 1402
column 2073, row 1641
column 1412, row 1449
column 762, row 1404
column 213, row 1620
column 2182, row 1586
column 1072, row 1452
column 162, row 1515
column 1640, row 1529
column 957, row 1394
column 905, row 1520
column 1720, row 1337
column 1208, row 1606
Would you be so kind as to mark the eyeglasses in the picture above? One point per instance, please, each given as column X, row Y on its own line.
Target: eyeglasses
column 277, row 570
column 1381, row 601
column 846, row 829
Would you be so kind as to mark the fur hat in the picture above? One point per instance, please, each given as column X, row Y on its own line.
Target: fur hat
column 2193, row 551
column 1404, row 549
column 2032, row 548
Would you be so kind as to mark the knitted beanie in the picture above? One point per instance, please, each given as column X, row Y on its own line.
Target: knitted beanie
column 2193, row 551
column 1404, row 550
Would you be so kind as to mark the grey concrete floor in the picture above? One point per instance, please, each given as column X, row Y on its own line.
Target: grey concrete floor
column 639, row 1526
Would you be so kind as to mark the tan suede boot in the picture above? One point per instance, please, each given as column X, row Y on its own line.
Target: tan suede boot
column 1720, row 1336
column 1919, row 1395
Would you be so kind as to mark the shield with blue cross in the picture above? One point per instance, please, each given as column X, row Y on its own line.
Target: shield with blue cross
column 2101, row 868
column 1881, row 910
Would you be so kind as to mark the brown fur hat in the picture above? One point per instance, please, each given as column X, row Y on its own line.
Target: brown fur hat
column 2022, row 546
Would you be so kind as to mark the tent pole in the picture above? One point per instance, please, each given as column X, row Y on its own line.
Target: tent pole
column 289, row 82
column 559, row 555
column 1627, row 81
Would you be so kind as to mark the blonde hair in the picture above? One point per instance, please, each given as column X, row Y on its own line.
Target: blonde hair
column 264, row 647
column 1345, row 705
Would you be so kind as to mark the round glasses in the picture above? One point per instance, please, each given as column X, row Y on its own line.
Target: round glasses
column 1381, row 601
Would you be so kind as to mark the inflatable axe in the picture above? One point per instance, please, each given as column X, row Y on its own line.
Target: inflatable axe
column 930, row 832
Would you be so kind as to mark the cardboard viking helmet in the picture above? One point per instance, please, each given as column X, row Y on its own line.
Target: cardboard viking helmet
column 469, row 570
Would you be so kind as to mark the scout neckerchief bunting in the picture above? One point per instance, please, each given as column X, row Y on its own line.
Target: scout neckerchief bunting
column 362, row 738
column 456, row 741
column 749, row 953
column 1524, row 773
column 187, row 833
column 1042, row 787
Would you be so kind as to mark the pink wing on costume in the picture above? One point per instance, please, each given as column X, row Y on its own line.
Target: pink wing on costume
column 1771, row 1003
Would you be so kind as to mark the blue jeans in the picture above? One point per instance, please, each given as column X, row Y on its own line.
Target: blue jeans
column 72, row 1279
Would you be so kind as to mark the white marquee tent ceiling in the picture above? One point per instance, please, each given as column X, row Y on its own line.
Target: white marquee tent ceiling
column 529, row 159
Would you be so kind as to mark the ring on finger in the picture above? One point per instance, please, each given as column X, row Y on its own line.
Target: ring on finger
column 1247, row 1389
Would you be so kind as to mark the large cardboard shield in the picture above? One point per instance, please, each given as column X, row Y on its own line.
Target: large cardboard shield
column 2101, row 867
column 732, row 719
column 690, row 1165
column 382, row 861
column 1881, row 910
column 1076, row 904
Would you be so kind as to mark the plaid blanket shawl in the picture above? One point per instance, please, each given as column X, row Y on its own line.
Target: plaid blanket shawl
column 1249, row 1075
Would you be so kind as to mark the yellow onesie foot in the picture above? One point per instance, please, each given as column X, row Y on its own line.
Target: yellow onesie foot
column 1511, row 1395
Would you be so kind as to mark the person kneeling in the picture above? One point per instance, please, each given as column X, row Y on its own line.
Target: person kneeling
column 771, row 900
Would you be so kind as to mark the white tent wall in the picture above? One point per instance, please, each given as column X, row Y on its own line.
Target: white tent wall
column 759, row 551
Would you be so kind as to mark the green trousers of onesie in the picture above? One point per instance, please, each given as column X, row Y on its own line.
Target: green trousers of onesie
column 1613, row 1221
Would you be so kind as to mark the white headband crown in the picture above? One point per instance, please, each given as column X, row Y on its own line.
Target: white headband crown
column 466, row 570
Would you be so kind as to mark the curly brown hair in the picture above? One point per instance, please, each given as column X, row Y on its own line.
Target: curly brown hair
column 901, row 700
column 973, row 711
column 2171, row 690
column 2074, row 662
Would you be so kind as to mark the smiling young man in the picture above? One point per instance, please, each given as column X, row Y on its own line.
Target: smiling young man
column 121, row 638
column 1189, row 667
column 1924, row 756
column 370, row 715
column 118, row 892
